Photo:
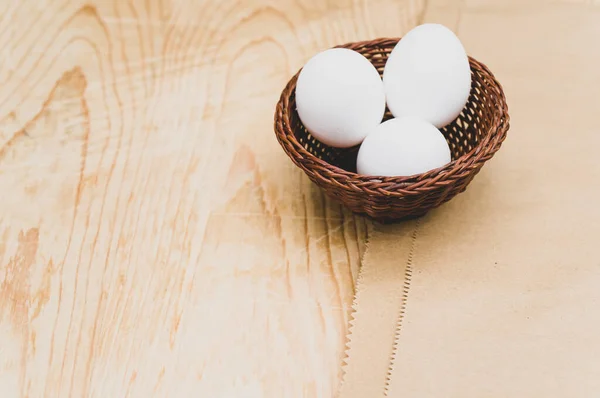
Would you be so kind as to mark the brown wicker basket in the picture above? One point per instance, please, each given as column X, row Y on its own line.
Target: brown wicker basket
column 474, row 137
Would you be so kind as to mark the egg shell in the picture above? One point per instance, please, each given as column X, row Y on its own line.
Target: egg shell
column 427, row 75
column 340, row 97
column 402, row 147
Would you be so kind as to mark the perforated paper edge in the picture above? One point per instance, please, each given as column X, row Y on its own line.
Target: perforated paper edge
column 380, row 298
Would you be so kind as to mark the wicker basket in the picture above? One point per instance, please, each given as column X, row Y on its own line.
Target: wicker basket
column 474, row 137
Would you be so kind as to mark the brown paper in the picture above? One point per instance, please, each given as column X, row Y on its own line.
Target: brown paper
column 382, row 286
column 505, row 291
column 505, row 294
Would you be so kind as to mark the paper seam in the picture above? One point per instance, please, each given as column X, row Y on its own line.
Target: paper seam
column 406, row 290
column 380, row 294
column 352, row 319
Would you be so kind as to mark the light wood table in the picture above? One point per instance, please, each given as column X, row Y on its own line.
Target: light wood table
column 155, row 241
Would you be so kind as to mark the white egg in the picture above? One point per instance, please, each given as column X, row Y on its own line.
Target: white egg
column 340, row 97
column 427, row 75
column 402, row 147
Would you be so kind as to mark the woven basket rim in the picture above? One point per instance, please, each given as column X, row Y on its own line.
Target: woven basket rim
column 401, row 185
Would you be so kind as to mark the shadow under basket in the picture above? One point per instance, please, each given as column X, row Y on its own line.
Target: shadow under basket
column 474, row 137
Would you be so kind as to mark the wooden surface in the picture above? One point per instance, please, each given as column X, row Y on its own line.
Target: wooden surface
column 154, row 239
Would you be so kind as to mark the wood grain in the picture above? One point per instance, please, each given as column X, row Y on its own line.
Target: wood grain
column 154, row 239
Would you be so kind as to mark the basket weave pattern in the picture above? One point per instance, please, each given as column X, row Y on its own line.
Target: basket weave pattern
column 474, row 137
